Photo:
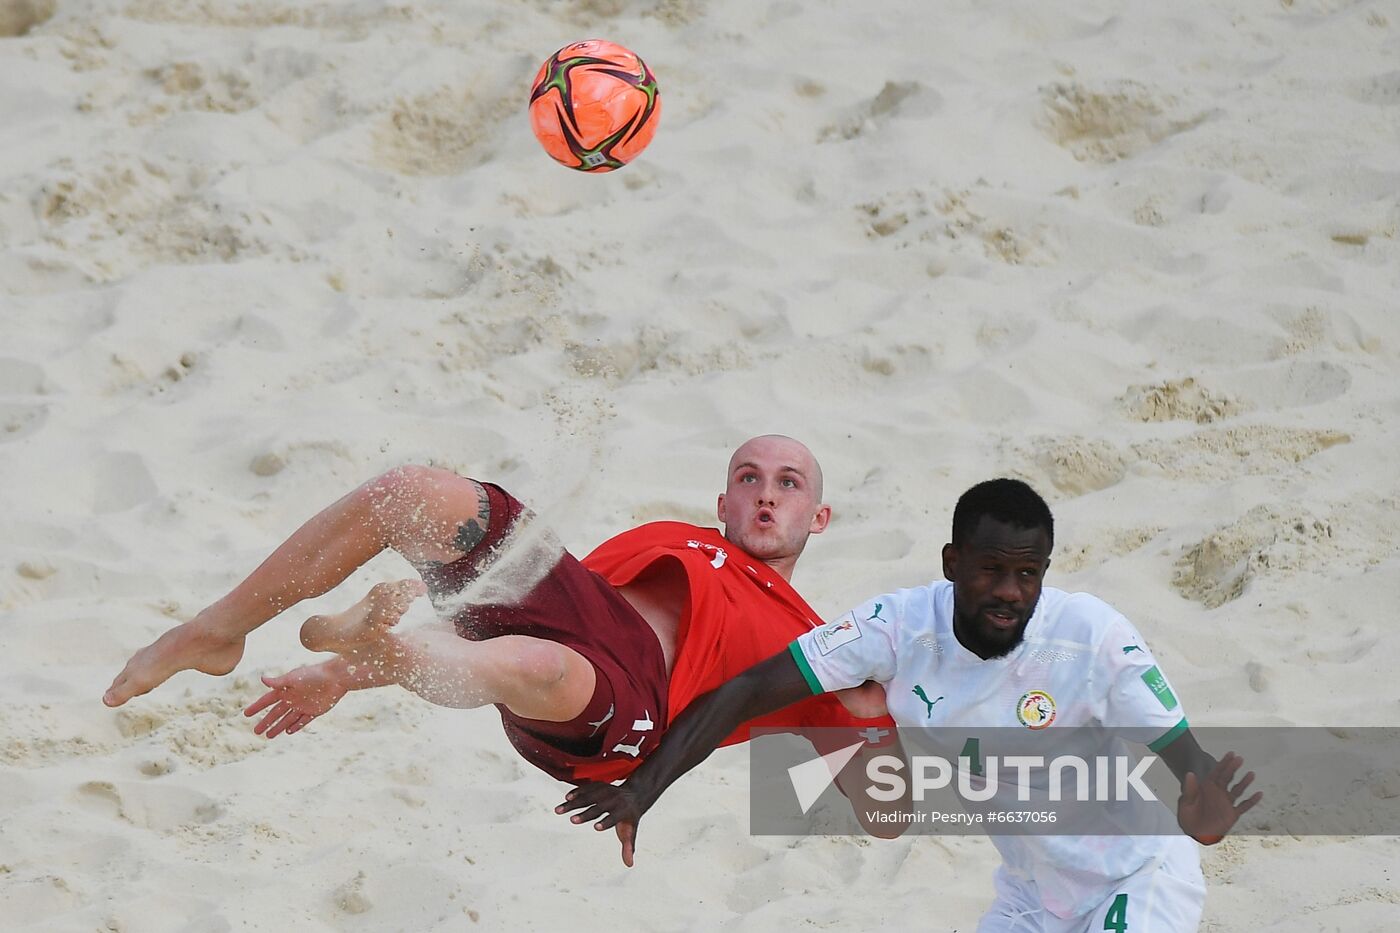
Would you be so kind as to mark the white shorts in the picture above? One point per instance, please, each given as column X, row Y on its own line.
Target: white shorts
column 1165, row 896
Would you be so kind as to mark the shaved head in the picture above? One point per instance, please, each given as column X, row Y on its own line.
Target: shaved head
column 797, row 453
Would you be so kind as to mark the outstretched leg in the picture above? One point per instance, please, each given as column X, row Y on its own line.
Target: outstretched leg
column 426, row 514
column 532, row 677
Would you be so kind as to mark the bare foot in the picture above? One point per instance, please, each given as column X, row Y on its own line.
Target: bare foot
column 191, row 646
column 367, row 621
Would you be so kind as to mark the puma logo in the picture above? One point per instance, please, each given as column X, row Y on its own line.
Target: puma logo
column 633, row 750
column 600, row 723
column 919, row 692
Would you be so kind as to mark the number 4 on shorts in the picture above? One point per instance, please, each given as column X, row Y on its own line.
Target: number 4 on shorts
column 1117, row 916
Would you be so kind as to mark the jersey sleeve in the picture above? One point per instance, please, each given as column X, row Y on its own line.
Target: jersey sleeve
column 1140, row 697
column 850, row 650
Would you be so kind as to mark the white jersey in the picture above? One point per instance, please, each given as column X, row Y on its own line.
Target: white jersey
column 1081, row 663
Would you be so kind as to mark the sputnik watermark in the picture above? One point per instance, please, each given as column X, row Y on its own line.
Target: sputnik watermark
column 1116, row 778
column 1071, row 781
column 890, row 778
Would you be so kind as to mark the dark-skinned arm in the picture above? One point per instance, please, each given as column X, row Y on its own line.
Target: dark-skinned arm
column 1209, row 805
column 766, row 687
column 854, row 785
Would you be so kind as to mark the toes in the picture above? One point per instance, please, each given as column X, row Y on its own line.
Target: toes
column 404, row 591
column 120, row 691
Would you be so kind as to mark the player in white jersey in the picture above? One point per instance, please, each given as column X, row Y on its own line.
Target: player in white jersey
column 991, row 648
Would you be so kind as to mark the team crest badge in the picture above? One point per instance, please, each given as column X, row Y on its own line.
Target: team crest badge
column 1036, row 709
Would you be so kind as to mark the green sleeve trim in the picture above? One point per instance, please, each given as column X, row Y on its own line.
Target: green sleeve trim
column 1170, row 736
column 812, row 683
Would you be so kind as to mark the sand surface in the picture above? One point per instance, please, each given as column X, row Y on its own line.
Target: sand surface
column 253, row 253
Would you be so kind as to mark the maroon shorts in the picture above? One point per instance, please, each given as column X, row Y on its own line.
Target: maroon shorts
column 573, row 606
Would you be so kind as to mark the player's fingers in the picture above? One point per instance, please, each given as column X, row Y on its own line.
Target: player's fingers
column 289, row 717
column 627, row 833
column 588, row 795
column 284, row 682
column 1225, row 770
column 275, row 727
column 575, row 799
column 1241, row 786
column 272, row 716
column 592, row 813
column 261, row 703
column 1248, row 805
column 1189, row 787
column 571, row 801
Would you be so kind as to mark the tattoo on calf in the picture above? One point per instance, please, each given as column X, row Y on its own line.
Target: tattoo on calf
column 473, row 531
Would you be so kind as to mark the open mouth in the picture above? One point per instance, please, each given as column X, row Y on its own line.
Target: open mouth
column 765, row 517
column 1001, row 619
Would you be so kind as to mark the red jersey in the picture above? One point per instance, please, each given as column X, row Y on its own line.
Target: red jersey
column 739, row 612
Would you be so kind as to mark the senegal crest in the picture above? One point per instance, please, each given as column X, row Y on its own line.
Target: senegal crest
column 1036, row 709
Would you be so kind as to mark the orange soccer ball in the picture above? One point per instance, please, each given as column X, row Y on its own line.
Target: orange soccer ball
column 594, row 106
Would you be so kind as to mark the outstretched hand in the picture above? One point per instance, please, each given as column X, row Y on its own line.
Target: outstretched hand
column 613, row 806
column 1209, row 806
column 296, row 698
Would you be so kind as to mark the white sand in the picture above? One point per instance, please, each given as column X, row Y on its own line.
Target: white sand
column 251, row 253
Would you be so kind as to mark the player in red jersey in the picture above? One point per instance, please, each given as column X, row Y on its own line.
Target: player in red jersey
column 588, row 662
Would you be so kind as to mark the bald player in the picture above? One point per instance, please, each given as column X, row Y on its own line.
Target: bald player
column 588, row 667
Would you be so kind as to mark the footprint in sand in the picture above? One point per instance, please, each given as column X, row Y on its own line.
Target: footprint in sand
column 1074, row 465
column 1115, row 122
column 1177, row 400
column 161, row 807
column 1219, row 567
column 1287, row 384
column 133, row 723
column 20, row 17
column 351, row 898
column 897, row 99
column 113, row 213
column 1247, row 450
column 445, row 131
column 957, row 220
column 1205, row 340
column 122, row 482
column 31, row 902
column 1102, row 545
